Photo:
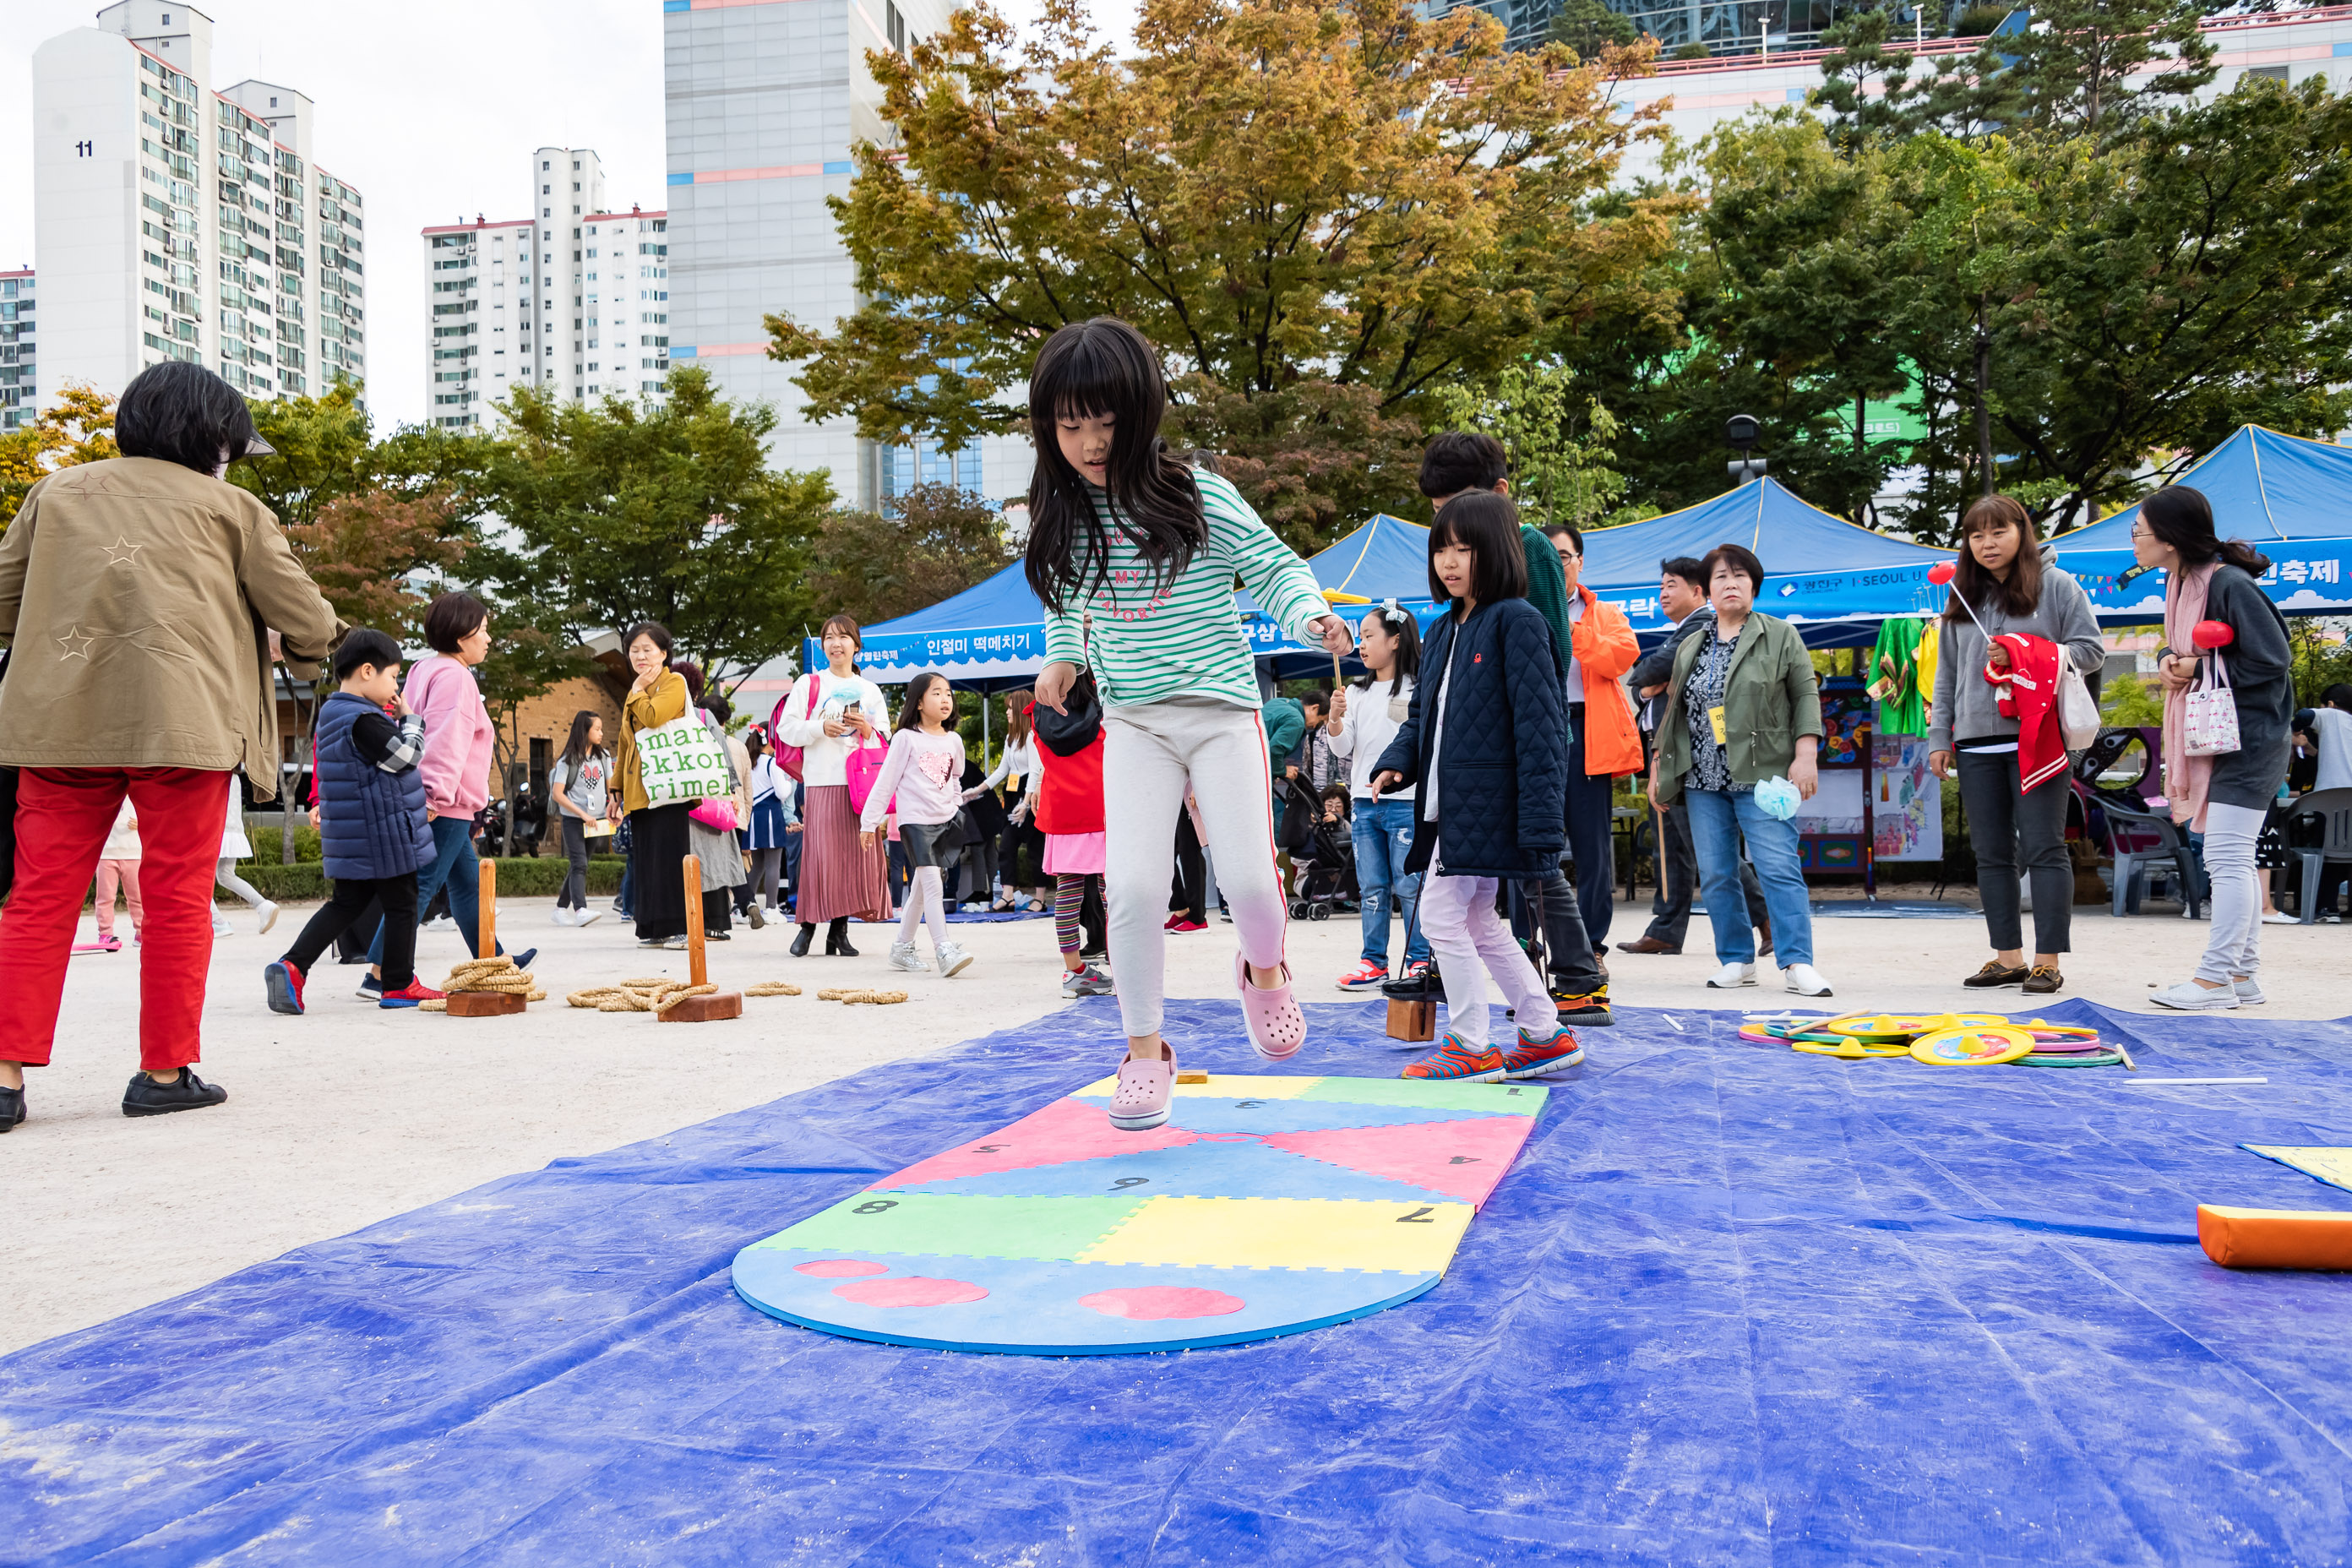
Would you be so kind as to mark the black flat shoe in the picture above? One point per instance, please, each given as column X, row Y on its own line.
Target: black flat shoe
column 12, row 1108
column 801, row 942
column 837, row 939
column 145, row 1097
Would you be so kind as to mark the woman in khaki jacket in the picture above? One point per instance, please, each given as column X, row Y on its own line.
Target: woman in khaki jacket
column 659, row 836
column 136, row 598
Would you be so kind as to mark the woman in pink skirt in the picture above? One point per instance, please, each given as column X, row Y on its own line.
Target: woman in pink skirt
column 826, row 714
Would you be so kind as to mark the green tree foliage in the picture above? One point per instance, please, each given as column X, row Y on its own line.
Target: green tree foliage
column 1587, row 27
column 617, row 512
column 1320, row 213
column 876, row 568
column 1558, row 443
column 77, row 428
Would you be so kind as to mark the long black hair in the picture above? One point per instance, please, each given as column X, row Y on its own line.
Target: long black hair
column 1399, row 624
column 1489, row 525
column 2182, row 517
column 910, row 710
column 1089, row 369
column 576, row 750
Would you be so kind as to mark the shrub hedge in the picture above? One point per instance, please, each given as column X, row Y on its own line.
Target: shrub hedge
column 521, row 879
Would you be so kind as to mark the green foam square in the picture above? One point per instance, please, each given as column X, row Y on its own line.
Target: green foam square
column 1053, row 1228
column 1496, row 1098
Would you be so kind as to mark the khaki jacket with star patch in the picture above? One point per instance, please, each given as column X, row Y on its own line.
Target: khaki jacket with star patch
column 136, row 598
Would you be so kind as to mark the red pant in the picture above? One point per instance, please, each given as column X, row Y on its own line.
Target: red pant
column 63, row 816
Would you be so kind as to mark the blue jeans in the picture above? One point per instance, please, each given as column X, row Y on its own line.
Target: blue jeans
column 1717, row 819
column 453, row 838
column 1383, row 832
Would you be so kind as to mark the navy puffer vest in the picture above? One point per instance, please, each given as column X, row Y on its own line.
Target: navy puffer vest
column 371, row 823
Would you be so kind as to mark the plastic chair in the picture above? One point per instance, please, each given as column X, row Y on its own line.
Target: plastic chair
column 2133, row 864
column 2335, row 806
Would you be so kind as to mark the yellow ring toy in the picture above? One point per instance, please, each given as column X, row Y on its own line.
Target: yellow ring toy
column 1850, row 1051
column 1976, row 1047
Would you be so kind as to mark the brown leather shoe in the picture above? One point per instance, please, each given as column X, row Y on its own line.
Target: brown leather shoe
column 2044, row 979
column 1764, row 940
column 1996, row 973
column 1647, row 945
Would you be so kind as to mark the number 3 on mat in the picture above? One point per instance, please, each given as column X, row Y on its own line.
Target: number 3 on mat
column 1418, row 1217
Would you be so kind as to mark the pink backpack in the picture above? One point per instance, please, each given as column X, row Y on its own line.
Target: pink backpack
column 788, row 757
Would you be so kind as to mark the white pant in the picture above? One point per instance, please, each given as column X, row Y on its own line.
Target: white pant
column 1150, row 753
column 1472, row 942
column 2233, row 946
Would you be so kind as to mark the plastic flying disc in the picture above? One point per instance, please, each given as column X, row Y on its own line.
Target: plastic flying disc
column 1974, row 1046
column 1902, row 1026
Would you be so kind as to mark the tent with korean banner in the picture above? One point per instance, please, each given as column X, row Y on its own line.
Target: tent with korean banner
column 2289, row 498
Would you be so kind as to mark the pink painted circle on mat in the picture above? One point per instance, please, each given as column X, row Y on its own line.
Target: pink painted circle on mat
column 839, row 1267
column 913, row 1291
column 1162, row 1301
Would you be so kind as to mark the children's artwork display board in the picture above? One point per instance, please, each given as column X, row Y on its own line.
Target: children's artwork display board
column 1266, row 1205
column 1907, row 799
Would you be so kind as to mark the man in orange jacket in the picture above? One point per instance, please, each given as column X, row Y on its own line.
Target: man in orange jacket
column 1603, row 741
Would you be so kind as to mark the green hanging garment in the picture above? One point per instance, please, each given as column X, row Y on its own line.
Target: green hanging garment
column 1895, row 677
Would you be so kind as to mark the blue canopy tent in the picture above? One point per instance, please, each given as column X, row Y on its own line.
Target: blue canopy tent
column 1836, row 580
column 2289, row 498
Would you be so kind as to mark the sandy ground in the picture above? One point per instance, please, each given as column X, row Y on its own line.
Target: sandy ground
column 350, row 1115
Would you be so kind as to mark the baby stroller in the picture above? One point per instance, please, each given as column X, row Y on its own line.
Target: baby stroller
column 1324, row 857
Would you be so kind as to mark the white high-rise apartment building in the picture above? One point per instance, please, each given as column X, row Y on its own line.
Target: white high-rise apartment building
column 576, row 299
column 764, row 103
column 175, row 222
column 19, row 375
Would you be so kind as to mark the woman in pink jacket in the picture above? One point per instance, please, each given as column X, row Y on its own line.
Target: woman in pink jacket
column 458, row 741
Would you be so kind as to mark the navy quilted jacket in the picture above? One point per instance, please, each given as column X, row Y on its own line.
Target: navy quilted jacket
column 1502, row 780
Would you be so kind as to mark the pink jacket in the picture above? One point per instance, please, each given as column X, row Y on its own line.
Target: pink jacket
column 459, row 737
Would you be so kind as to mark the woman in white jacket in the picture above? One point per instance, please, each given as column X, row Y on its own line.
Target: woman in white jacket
column 826, row 713
column 1364, row 719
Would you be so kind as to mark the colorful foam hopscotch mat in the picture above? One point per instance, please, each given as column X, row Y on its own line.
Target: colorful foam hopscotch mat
column 1266, row 1206
column 2331, row 1165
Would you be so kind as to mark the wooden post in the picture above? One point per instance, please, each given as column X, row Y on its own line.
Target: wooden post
column 486, row 1004
column 718, row 1004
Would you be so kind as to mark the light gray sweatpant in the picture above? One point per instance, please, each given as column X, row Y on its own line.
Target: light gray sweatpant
column 2233, row 945
column 1151, row 751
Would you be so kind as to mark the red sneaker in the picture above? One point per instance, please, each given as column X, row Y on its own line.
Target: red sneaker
column 410, row 995
column 1454, row 1062
column 1366, row 976
column 285, row 983
column 1182, row 924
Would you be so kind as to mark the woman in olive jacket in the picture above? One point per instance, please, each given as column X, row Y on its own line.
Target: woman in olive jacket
column 1743, row 707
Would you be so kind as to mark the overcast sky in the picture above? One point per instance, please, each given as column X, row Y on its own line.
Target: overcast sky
column 430, row 106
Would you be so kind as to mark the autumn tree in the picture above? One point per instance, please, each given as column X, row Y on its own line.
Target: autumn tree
column 1320, row 213
column 1559, row 440
column 77, row 428
column 366, row 553
column 876, row 568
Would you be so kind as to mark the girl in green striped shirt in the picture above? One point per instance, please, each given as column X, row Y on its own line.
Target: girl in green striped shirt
column 1134, row 556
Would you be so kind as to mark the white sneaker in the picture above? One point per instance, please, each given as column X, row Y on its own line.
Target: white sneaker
column 221, row 926
column 563, row 918
column 903, row 956
column 953, row 960
column 1732, row 975
column 2250, row 991
column 443, row 923
column 268, row 912
column 2281, row 917
column 586, row 917
column 2190, row 997
column 1805, row 981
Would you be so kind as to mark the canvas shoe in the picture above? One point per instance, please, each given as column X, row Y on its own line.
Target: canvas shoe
column 2250, row 991
column 1557, row 1052
column 370, row 989
column 953, row 960
column 903, row 956
column 562, row 917
column 221, row 926
column 586, row 917
column 2190, row 997
column 145, row 1097
column 1731, row 976
column 410, row 995
column 1454, row 1062
column 268, row 913
column 1276, row 1028
column 1139, row 1103
column 1086, row 982
column 1186, row 927
column 1368, row 975
column 1805, row 981
column 285, row 983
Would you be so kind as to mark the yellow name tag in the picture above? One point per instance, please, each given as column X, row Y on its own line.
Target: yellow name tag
column 1714, row 716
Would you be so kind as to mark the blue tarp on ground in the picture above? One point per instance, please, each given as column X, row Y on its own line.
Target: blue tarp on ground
column 1733, row 1305
column 2289, row 498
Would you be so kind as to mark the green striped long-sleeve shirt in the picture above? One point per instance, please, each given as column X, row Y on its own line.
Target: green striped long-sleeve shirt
column 1151, row 641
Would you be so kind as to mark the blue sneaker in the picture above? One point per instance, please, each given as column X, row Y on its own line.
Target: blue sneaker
column 1556, row 1052
column 1454, row 1062
column 371, row 989
column 522, row 960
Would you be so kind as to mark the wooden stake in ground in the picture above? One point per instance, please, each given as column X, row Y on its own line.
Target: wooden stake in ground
column 486, row 1004
column 718, row 1004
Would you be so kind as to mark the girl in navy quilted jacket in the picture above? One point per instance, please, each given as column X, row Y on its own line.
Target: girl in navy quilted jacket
column 1486, row 746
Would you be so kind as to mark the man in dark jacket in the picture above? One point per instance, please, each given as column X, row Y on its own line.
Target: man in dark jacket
column 1682, row 597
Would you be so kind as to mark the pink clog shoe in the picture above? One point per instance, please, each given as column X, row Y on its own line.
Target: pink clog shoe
column 1139, row 1103
column 1276, row 1028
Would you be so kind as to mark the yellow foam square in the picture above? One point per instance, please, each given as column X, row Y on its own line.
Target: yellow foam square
column 1286, row 1233
column 1221, row 1086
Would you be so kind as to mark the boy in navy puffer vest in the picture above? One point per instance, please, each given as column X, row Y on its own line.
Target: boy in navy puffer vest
column 372, row 824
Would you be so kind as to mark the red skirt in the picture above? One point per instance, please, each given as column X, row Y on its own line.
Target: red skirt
column 837, row 878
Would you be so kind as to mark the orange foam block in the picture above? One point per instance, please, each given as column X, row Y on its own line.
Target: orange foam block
column 2276, row 1238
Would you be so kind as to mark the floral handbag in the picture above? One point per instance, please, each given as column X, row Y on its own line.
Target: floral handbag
column 2210, row 710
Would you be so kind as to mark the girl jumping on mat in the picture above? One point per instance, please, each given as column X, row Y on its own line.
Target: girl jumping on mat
column 924, row 772
column 1486, row 746
column 1134, row 556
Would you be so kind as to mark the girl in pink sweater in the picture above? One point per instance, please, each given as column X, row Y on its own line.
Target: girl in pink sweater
column 924, row 772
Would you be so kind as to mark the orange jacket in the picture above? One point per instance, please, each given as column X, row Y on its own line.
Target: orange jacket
column 1605, row 650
